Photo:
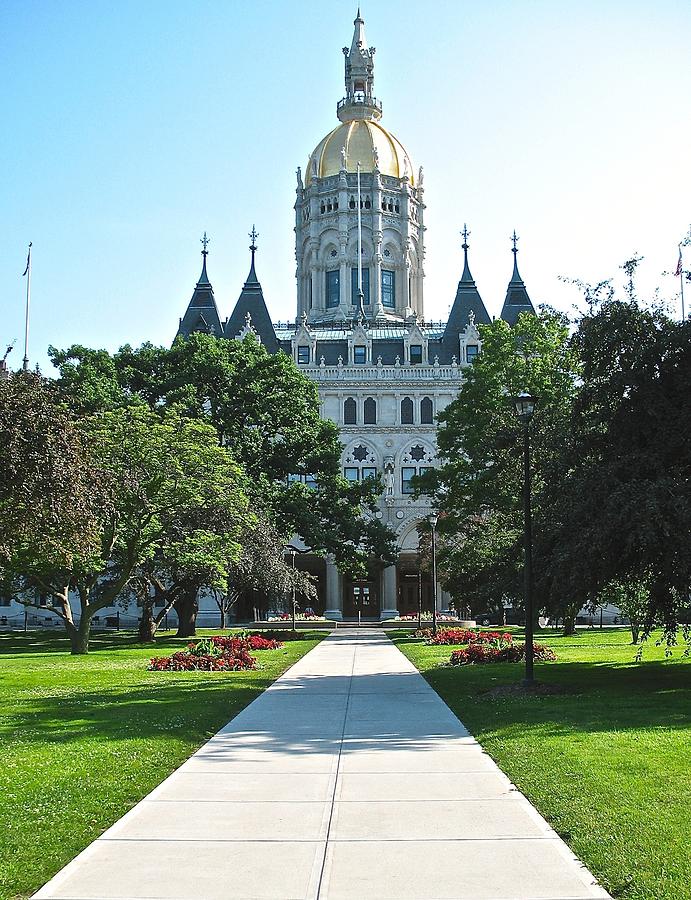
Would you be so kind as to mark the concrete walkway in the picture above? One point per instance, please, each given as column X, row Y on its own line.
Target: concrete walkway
column 348, row 778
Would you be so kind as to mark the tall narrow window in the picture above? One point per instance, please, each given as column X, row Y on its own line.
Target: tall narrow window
column 349, row 412
column 353, row 285
column 359, row 355
column 471, row 352
column 388, row 288
column 333, row 288
column 407, row 474
column 370, row 411
column 303, row 355
column 426, row 411
column 406, row 411
column 351, row 473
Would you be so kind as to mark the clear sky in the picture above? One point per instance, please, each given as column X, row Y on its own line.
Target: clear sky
column 129, row 128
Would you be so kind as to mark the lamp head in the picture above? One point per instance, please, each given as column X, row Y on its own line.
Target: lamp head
column 433, row 519
column 525, row 407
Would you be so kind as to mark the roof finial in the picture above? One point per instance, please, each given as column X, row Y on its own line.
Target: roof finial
column 466, row 276
column 514, row 239
column 466, row 235
column 253, row 235
column 205, row 241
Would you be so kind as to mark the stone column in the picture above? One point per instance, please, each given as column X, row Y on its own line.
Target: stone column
column 334, row 595
column 389, row 599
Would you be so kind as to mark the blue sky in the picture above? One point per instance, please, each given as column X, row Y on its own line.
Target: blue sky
column 129, row 128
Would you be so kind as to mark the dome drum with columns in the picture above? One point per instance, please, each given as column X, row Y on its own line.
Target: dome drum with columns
column 383, row 372
column 359, row 167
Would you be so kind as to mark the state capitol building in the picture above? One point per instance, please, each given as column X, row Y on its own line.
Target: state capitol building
column 383, row 372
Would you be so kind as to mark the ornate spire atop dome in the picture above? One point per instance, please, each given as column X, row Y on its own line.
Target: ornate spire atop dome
column 359, row 101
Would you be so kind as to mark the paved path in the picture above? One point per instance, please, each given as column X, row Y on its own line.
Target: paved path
column 348, row 778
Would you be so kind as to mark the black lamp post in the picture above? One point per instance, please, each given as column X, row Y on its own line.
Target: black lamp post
column 525, row 407
column 433, row 519
column 292, row 555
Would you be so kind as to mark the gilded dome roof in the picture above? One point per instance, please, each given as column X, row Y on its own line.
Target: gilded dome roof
column 364, row 141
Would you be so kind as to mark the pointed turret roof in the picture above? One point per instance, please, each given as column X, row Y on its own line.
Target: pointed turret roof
column 202, row 312
column 517, row 299
column 467, row 300
column 251, row 302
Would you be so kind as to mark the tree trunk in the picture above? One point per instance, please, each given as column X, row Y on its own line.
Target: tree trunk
column 186, row 607
column 147, row 625
column 79, row 636
column 569, row 625
column 223, row 616
column 635, row 632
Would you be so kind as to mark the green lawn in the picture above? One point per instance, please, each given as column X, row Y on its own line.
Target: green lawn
column 608, row 763
column 84, row 738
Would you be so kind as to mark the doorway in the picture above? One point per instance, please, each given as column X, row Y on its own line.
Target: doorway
column 361, row 597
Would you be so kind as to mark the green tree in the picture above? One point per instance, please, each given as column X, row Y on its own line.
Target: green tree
column 160, row 472
column 478, row 487
column 52, row 501
column 617, row 505
column 266, row 412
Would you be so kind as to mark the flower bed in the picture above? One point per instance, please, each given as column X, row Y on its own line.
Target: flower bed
column 483, row 653
column 217, row 653
column 184, row 661
column 300, row 617
column 425, row 617
column 466, row 636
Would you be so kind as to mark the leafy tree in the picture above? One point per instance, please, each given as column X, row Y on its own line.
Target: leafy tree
column 617, row 507
column 478, row 486
column 52, row 501
column 265, row 411
column 161, row 475
column 262, row 567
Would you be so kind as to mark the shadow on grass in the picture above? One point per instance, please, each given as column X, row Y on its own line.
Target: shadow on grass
column 56, row 641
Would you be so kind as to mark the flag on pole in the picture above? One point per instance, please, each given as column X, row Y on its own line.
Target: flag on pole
column 679, row 264
column 28, row 261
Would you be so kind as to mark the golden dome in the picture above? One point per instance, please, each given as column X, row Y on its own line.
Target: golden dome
column 364, row 141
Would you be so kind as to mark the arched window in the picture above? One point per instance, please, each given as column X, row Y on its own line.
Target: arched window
column 349, row 412
column 370, row 411
column 426, row 411
column 406, row 411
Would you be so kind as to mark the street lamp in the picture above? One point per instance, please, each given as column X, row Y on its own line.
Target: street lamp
column 433, row 519
column 525, row 407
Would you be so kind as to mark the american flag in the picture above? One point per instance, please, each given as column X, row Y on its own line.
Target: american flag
column 679, row 268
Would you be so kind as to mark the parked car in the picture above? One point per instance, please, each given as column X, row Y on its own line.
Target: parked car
column 511, row 615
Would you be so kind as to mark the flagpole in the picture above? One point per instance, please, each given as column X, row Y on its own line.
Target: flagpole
column 681, row 284
column 360, row 295
column 28, row 305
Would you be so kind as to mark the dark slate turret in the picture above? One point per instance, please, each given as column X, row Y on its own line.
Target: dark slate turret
column 202, row 312
column 467, row 300
column 517, row 299
column 251, row 301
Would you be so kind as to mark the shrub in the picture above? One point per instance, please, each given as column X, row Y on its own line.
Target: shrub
column 484, row 653
column 278, row 634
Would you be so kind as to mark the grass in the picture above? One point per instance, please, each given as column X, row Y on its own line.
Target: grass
column 608, row 763
column 85, row 738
